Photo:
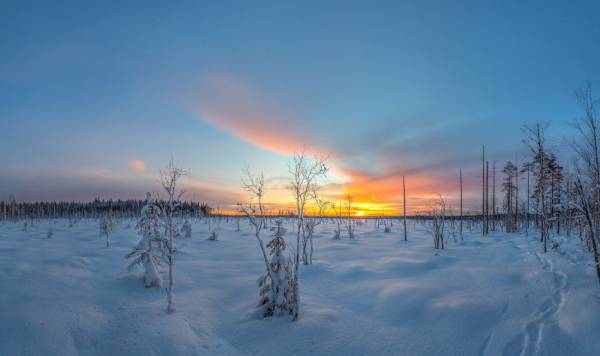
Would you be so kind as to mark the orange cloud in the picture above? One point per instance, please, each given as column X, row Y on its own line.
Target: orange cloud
column 137, row 165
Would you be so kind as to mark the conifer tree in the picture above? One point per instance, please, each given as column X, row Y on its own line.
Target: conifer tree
column 148, row 251
column 275, row 287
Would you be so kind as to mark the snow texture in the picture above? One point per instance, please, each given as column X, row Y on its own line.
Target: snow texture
column 372, row 295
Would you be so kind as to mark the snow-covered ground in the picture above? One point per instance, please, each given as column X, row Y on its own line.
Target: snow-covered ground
column 375, row 295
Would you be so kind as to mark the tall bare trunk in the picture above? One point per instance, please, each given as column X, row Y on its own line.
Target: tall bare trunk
column 404, row 203
column 461, row 203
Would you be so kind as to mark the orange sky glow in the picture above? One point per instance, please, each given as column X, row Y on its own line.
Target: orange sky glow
column 228, row 104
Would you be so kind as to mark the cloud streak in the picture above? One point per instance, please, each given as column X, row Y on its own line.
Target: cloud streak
column 225, row 102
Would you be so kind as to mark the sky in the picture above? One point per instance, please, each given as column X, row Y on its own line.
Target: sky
column 96, row 97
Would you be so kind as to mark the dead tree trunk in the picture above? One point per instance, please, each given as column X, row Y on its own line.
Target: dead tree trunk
column 461, row 203
column 404, row 203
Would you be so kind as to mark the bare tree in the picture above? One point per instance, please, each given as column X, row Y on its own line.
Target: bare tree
column 404, row 204
column 587, row 148
column 312, row 222
column 516, row 222
column 338, row 220
column 170, row 176
column 305, row 175
column 487, row 197
column 587, row 182
column 349, row 219
column 483, row 191
column 254, row 210
column 494, row 197
column 460, row 179
column 437, row 214
column 585, row 194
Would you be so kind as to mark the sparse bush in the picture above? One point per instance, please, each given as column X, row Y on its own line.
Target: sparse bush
column 106, row 228
column 186, row 229
column 214, row 236
column 437, row 214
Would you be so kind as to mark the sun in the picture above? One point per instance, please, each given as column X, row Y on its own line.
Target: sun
column 359, row 213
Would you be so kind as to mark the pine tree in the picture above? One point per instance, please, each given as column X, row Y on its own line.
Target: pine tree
column 555, row 173
column 275, row 287
column 509, row 189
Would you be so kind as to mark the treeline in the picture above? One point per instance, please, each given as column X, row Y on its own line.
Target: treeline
column 559, row 199
column 13, row 210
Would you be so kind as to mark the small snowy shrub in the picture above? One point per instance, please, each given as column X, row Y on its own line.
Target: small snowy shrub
column 186, row 229
column 438, row 221
column 350, row 231
column 337, row 234
column 275, row 287
column 214, row 236
column 106, row 228
column 148, row 251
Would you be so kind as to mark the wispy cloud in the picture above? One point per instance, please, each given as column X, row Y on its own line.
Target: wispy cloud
column 232, row 106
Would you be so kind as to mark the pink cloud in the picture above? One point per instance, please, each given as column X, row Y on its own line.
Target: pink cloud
column 137, row 165
column 228, row 104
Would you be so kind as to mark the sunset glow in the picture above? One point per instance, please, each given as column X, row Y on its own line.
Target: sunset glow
column 339, row 177
column 84, row 122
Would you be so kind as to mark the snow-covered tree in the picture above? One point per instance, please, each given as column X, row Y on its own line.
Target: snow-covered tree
column 275, row 286
column 170, row 176
column 148, row 251
column 310, row 226
column 186, row 229
column 106, row 228
column 509, row 188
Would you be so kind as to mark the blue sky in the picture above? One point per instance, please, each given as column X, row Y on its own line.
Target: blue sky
column 388, row 89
